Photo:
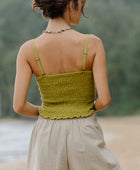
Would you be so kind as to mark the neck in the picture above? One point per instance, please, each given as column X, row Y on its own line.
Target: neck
column 57, row 24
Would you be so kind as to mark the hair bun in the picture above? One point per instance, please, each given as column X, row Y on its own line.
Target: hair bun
column 53, row 8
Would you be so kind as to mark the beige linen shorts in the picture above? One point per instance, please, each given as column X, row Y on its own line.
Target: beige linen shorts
column 69, row 144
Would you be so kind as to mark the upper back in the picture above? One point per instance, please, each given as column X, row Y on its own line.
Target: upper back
column 61, row 53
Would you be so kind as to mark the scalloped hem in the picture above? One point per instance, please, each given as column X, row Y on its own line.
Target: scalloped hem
column 54, row 117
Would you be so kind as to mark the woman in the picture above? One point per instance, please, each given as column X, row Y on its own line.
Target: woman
column 67, row 65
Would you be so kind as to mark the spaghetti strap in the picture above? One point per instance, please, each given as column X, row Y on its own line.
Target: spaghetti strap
column 37, row 59
column 85, row 53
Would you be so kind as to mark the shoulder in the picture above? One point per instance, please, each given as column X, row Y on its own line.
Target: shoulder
column 94, row 38
column 96, row 41
column 26, row 46
column 25, row 49
column 91, row 37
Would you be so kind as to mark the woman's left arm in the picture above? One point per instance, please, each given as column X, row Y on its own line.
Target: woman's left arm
column 22, row 83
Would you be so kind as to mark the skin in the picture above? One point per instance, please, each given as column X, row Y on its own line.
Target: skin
column 65, row 58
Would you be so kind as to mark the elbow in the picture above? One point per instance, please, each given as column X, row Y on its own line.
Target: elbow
column 106, row 102
column 18, row 108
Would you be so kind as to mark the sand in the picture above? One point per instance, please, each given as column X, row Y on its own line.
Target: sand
column 122, row 136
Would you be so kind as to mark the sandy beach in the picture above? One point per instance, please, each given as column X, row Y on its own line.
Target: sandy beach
column 122, row 136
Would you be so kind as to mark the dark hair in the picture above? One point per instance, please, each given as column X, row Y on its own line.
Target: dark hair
column 55, row 8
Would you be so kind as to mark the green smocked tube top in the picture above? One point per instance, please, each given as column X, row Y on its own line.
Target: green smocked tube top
column 66, row 95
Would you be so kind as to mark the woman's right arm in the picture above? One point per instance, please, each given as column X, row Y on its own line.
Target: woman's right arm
column 100, row 77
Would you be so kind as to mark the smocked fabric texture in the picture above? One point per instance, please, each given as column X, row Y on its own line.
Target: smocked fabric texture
column 66, row 95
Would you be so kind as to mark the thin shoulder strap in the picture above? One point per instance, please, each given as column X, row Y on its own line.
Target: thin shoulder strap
column 85, row 52
column 37, row 59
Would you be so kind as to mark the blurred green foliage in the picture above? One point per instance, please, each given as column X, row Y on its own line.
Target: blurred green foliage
column 117, row 23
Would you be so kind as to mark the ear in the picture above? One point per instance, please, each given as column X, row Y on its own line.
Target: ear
column 70, row 5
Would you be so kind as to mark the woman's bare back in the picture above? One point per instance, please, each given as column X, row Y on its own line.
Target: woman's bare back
column 61, row 53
